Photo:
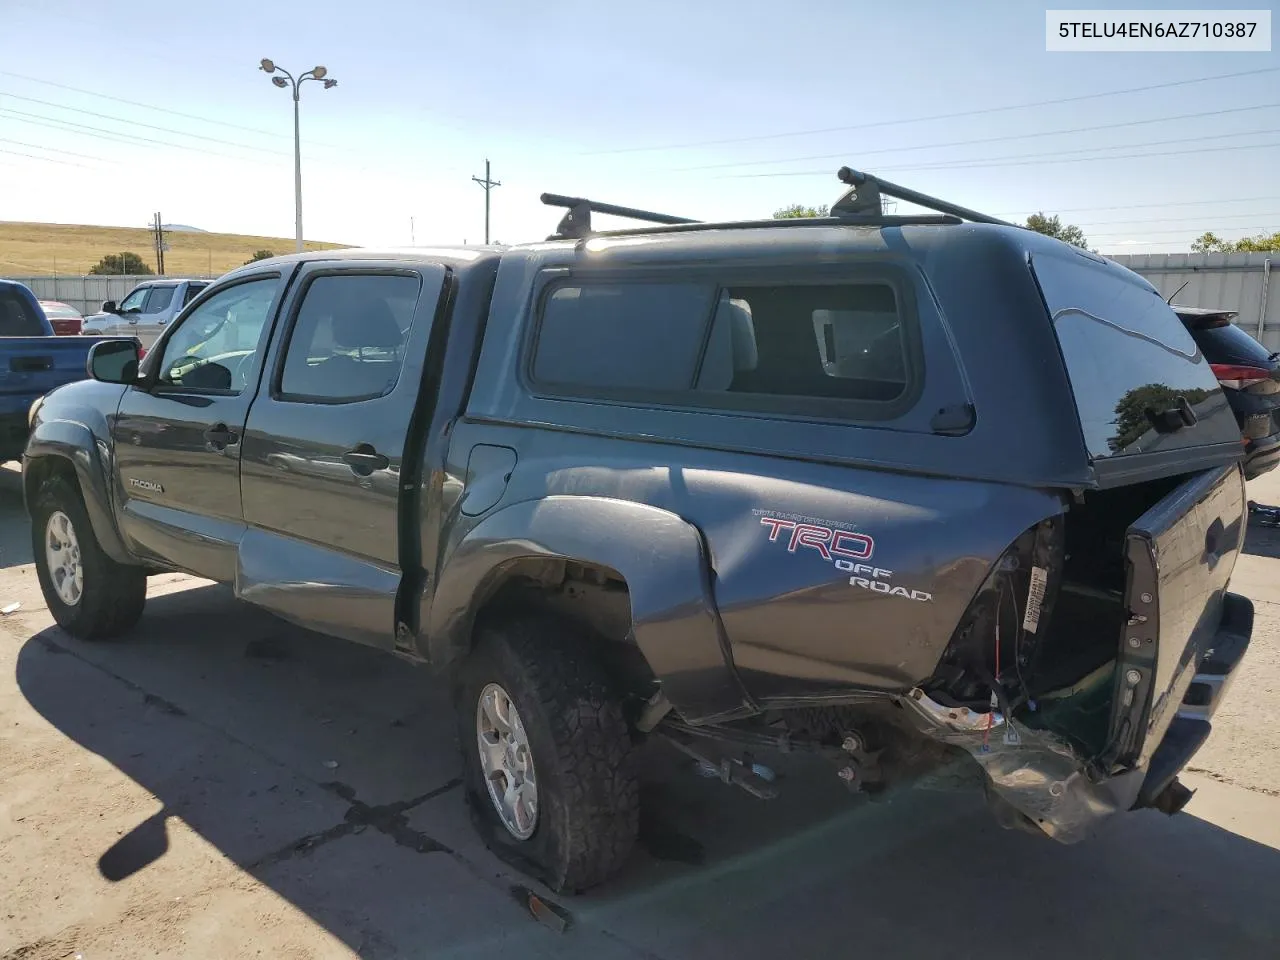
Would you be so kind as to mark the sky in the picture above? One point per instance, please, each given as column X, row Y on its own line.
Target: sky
column 715, row 109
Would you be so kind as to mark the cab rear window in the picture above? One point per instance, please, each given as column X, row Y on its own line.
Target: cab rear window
column 790, row 347
column 18, row 317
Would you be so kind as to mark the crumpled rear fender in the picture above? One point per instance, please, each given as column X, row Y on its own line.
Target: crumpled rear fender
column 661, row 556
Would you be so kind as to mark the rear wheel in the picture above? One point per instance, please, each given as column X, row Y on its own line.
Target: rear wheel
column 90, row 595
column 546, row 754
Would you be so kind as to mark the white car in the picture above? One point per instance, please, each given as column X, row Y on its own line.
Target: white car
column 145, row 312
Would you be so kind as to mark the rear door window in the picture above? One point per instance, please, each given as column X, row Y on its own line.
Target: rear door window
column 348, row 340
column 193, row 290
column 159, row 299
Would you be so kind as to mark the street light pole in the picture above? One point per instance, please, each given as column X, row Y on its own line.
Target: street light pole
column 285, row 82
column 297, row 170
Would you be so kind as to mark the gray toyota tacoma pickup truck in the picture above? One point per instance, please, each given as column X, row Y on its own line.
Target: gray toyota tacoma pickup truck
column 909, row 493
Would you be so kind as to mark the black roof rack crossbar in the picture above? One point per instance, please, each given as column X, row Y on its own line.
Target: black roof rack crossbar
column 860, row 205
column 865, row 190
column 930, row 219
column 576, row 224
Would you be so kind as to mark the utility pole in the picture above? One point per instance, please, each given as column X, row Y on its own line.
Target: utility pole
column 158, row 231
column 488, row 183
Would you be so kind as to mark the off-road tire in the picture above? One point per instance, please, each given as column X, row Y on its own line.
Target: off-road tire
column 114, row 593
column 588, row 795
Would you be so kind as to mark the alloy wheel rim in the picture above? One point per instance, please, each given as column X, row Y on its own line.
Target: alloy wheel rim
column 62, row 553
column 507, row 762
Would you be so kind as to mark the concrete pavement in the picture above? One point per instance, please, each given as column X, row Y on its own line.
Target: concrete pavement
column 222, row 786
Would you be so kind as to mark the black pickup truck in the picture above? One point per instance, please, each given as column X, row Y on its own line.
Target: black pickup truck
column 905, row 492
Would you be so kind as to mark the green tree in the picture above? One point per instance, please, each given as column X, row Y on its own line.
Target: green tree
column 259, row 255
column 797, row 210
column 1210, row 242
column 1054, row 227
column 119, row 264
column 1259, row 244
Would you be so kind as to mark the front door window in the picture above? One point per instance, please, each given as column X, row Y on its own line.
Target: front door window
column 217, row 345
column 133, row 302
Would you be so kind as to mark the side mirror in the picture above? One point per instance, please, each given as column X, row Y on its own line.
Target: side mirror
column 114, row 361
column 109, row 306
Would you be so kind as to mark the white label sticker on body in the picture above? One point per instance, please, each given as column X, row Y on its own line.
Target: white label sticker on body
column 1035, row 597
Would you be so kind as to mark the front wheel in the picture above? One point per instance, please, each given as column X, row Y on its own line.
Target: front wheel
column 546, row 753
column 90, row 595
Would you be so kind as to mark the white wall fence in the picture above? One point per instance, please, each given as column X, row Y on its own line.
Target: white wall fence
column 1231, row 281
column 85, row 293
column 1243, row 282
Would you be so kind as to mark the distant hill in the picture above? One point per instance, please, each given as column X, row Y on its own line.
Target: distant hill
column 183, row 228
column 42, row 249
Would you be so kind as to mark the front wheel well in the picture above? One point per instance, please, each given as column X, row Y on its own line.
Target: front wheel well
column 36, row 472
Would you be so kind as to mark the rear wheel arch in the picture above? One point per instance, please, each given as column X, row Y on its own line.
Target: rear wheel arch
column 658, row 557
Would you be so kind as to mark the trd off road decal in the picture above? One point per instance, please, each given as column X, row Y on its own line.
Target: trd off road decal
column 834, row 544
column 845, row 549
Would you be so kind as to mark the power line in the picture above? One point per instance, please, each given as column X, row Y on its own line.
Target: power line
column 938, row 164
column 1126, row 233
column 1146, row 206
column 112, row 135
column 32, row 156
column 69, row 153
column 964, row 143
column 970, row 164
column 148, row 126
column 940, row 116
column 1200, row 219
column 148, row 106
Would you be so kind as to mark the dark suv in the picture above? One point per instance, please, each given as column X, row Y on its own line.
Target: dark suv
column 901, row 492
column 1249, row 376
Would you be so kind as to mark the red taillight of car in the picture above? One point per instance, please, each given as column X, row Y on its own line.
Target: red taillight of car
column 142, row 352
column 1238, row 377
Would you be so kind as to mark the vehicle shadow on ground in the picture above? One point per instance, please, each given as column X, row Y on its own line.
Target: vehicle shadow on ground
column 328, row 772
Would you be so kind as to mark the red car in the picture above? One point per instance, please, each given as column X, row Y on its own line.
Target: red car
column 65, row 319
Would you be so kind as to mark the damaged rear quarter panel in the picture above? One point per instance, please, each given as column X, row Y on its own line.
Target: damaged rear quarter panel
column 835, row 580
column 795, row 626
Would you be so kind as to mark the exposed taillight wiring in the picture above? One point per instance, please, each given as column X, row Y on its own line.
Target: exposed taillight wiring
column 995, row 683
column 1237, row 376
column 1017, row 646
